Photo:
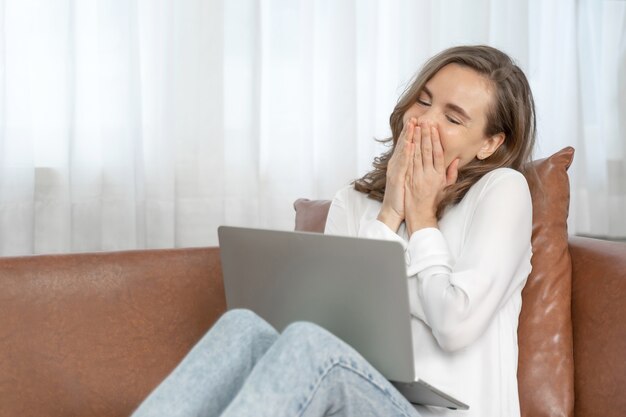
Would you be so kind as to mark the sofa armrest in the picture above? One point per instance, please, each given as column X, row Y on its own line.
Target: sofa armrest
column 599, row 324
column 93, row 334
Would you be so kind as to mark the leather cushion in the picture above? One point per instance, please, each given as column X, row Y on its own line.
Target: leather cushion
column 546, row 370
column 311, row 214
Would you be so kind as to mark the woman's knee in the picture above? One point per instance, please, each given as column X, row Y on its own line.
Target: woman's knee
column 240, row 315
column 304, row 330
column 317, row 341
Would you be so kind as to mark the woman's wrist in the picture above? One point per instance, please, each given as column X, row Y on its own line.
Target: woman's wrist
column 418, row 222
column 390, row 218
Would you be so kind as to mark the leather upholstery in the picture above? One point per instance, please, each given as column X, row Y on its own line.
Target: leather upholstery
column 311, row 214
column 92, row 334
column 546, row 363
column 599, row 315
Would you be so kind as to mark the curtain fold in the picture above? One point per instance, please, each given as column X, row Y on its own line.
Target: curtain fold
column 146, row 124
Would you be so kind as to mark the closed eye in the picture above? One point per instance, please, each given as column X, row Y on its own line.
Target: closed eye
column 423, row 102
column 451, row 120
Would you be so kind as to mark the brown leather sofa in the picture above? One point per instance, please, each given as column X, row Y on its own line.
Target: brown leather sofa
column 92, row 334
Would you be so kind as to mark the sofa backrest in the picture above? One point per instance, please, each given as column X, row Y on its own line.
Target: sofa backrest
column 599, row 317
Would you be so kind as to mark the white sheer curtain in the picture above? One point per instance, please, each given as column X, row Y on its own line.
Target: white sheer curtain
column 599, row 196
column 112, row 124
column 147, row 123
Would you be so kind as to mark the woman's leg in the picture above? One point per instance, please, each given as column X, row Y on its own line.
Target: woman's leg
column 309, row 372
column 212, row 373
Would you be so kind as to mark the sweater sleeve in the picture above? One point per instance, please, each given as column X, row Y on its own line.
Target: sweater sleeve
column 460, row 298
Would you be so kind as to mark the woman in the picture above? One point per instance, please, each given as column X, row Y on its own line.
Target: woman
column 451, row 192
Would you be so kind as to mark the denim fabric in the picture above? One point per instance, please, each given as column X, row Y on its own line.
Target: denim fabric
column 243, row 367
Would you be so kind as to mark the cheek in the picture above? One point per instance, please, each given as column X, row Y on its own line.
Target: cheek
column 413, row 111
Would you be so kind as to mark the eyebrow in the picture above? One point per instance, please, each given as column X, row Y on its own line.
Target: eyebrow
column 455, row 108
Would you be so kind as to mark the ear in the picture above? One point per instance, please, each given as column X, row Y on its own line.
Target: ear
column 490, row 145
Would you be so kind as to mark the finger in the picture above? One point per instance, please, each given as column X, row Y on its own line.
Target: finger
column 453, row 172
column 399, row 162
column 427, row 147
column 404, row 151
column 405, row 136
column 417, row 151
column 413, row 123
column 410, row 131
column 409, row 170
column 401, row 138
column 438, row 159
column 398, row 150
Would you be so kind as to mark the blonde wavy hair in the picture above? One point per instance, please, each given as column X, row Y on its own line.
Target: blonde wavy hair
column 512, row 112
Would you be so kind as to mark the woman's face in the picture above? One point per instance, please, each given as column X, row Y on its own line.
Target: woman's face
column 455, row 101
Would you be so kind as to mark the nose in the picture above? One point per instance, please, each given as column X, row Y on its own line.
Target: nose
column 427, row 117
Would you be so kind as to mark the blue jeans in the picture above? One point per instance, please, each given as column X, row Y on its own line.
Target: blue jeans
column 243, row 367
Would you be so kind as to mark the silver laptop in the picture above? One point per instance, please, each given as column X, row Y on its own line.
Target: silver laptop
column 355, row 288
